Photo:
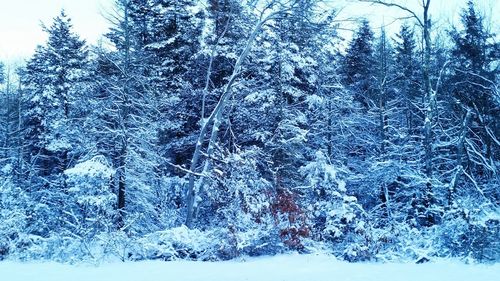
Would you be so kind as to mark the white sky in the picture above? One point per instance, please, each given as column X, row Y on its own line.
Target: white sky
column 444, row 13
column 20, row 30
column 20, row 20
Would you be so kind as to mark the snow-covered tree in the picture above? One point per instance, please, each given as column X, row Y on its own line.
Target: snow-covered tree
column 51, row 100
column 358, row 63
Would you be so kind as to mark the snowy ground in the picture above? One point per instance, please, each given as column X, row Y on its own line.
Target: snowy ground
column 280, row 268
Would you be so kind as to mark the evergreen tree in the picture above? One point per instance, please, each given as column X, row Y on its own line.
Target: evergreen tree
column 358, row 63
column 125, row 126
column 51, row 100
column 473, row 81
column 217, row 128
column 409, row 88
column 472, row 165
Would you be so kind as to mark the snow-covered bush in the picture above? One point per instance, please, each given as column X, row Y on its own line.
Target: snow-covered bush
column 59, row 248
column 241, row 204
column 13, row 218
column 168, row 201
column 179, row 243
column 290, row 219
column 89, row 189
column 471, row 230
column 401, row 242
column 336, row 216
column 262, row 240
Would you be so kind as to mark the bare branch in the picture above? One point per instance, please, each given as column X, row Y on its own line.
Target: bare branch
column 187, row 171
column 401, row 7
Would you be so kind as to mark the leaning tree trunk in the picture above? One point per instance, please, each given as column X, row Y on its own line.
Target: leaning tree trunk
column 215, row 118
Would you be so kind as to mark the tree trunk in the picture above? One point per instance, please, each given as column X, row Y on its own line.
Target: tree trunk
column 460, row 163
column 429, row 97
column 121, row 176
column 216, row 116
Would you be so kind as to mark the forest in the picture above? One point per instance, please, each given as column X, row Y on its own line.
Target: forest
column 211, row 130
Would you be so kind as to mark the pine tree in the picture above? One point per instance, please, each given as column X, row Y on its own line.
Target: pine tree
column 473, row 87
column 470, row 172
column 124, row 126
column 284, row 83
column 176, row 65
column 358, row 63
column 53, row 82
column 406, row 59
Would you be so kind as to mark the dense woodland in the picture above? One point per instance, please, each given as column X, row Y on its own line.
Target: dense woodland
column 216, row 129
